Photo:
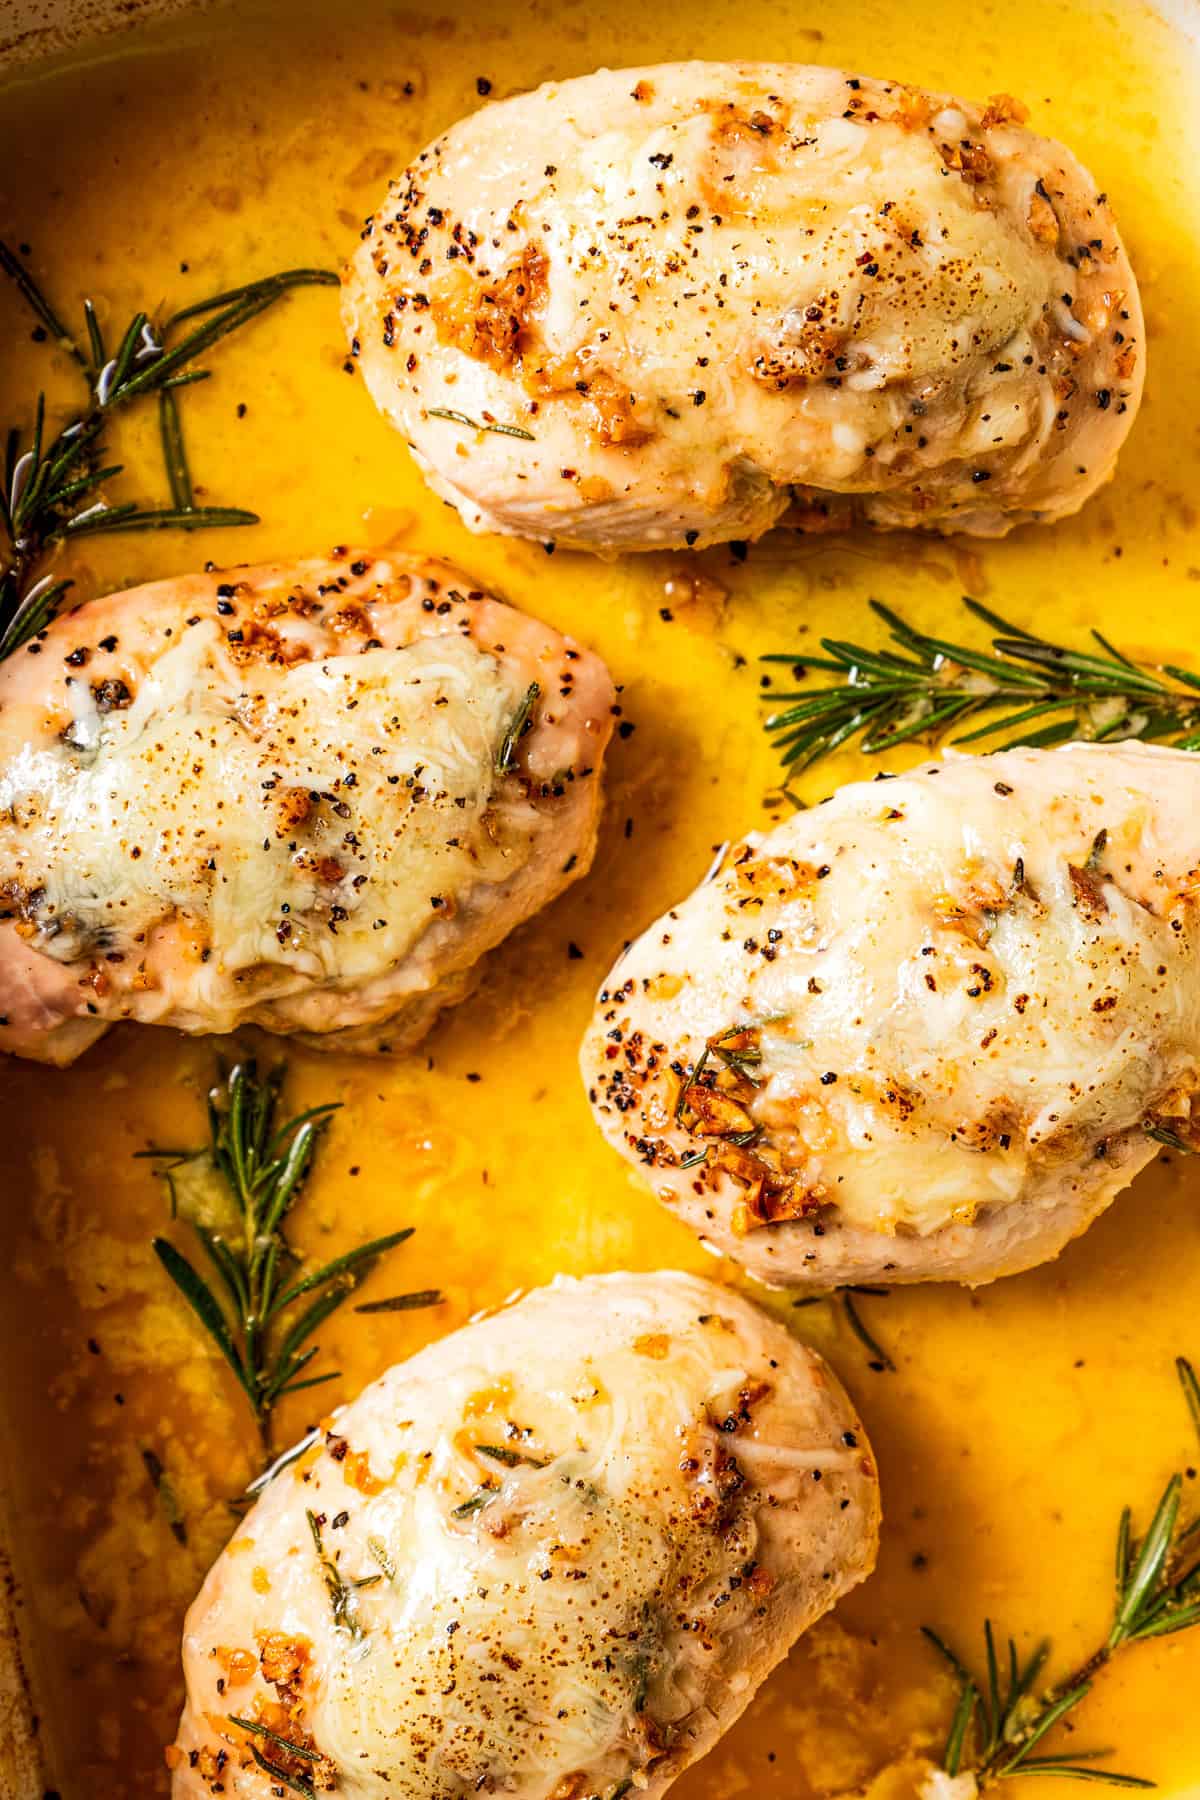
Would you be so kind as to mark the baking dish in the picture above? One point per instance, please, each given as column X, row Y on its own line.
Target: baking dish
column 466, row 1176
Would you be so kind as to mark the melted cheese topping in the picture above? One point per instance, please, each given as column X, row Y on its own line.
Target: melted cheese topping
column 810, row 265
column 599, row 1518
column 309, row 827
column 967, row 990
column 700, row 286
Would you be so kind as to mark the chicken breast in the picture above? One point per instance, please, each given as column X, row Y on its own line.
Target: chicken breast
column 669, row 306
column 927, row 1030
column 306, row 797
column 553, row 1555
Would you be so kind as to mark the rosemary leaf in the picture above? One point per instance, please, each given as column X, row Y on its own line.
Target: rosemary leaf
column 95, row 338
column 994, row 1704
column 295, row 1782
column 943, row 1649
column 355, row 1264
column 1165, row 1621
column 165, row 1494
column 135, row 518
column 1170, row 1139
column 70, row 491
column 28, row 615
column 512, row 1459
column 1148, row 1565
column 115, row 373
column 1021, row 1682
column 310, row 1320
column 1050, row 1717
column 224, row 1259
column 378, row 1551
column 1191, row 1390
column 187, row 379
column 19, row 275
column 1074, row 1772
column 200, row 1298
column 964, row 1712
column 174, row 455
column 295, row 1387
column 506, row 755
column 880, row 1360
column 201, row 339
column 419, row 1298
column 461, row 418
column 479, row 1498
column 272, row 284
column 273, row 1737
column 691, row 1081
column 342, row 1599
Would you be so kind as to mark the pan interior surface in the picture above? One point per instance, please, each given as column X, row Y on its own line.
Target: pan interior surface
column 182, row 158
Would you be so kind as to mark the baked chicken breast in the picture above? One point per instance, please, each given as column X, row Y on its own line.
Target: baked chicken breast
column 307, row 797
column 553, row 1555
column 669, row 306
column 927, row 1030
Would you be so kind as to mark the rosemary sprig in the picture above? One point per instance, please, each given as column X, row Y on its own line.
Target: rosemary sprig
column 1000, row 1718
column 468, row 1508
column 512, row 1459
column 252, row 1311
column 301, row 1753
column 52, row 485
column 1027, row 689
column 413, row 1302
column 343, row 1594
